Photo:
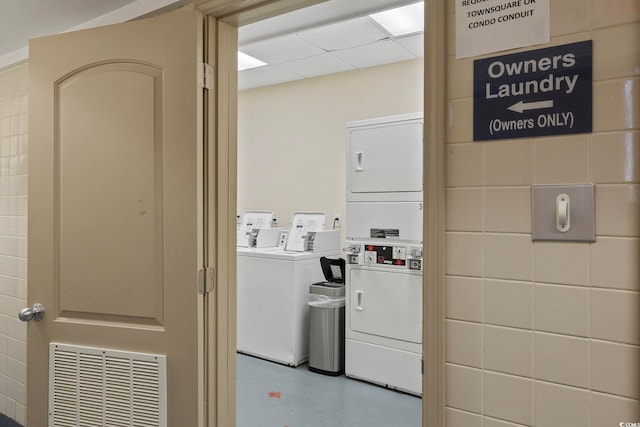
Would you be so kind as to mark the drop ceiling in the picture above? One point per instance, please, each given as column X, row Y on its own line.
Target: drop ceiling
column 330, row 37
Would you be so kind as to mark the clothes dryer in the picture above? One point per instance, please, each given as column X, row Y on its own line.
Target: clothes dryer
column 384, row 314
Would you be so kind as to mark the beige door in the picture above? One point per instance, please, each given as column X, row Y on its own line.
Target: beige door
column 115, row 225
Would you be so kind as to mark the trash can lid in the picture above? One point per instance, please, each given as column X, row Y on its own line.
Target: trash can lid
column 328, row 289
column 333, row 269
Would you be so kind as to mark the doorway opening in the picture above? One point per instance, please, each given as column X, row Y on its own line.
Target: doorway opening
column 323, row 66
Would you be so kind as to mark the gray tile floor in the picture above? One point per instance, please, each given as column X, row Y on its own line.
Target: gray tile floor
column 274, row 395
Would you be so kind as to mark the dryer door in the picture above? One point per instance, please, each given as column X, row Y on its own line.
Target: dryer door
column 385, row 159
column 386, row 304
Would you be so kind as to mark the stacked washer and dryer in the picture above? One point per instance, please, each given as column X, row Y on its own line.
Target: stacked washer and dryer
column 383, row 325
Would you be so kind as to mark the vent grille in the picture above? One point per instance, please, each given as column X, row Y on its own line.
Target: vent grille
column 92, row 386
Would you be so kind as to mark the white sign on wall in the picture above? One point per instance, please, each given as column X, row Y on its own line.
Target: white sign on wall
column 486, row 26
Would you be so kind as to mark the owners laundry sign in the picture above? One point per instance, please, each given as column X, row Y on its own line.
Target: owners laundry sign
column 535, row 93
column 486, row 26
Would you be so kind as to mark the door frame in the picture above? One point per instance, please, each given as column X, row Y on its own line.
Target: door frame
column 435, row 143
column 222, row 190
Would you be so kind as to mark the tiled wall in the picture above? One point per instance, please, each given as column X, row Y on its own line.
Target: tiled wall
column 13, row 240
column 547, row 334
column 544, row 334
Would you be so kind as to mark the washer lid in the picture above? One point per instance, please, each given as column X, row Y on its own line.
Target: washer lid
column 301, row 223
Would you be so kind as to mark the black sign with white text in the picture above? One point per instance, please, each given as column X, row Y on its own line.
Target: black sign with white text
column 535, row 93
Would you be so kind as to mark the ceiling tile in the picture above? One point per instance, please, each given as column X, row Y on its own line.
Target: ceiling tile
column 323, row 13
column 264, row 76
column 379, row 53
column 317, row 65
column 345, row 35
column 414, row 43
column 281, row 49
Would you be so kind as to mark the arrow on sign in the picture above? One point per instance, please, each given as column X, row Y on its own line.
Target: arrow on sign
column 523, row 106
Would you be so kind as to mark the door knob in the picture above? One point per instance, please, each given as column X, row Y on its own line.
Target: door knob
column 32, row 313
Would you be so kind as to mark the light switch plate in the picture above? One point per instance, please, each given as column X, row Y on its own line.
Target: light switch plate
column 582, row 216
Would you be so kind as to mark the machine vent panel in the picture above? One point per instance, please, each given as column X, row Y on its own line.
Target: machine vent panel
column 93, row 386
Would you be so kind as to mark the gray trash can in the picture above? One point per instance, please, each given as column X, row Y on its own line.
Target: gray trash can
column 326, row 320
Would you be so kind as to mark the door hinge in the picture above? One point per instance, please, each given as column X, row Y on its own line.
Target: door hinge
column 206, row 280
column 206, row 75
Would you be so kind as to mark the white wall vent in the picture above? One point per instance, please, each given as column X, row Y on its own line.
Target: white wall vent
column 99, row 387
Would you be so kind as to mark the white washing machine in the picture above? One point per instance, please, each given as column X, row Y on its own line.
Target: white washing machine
column 273, row 293
column 251, row 221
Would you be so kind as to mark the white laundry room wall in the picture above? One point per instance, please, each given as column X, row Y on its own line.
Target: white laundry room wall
column 291, row 136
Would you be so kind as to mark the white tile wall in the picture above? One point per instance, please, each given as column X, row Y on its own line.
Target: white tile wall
column 492, row 422
column 615, row 315
column 457, row 418
column 562, row 160
column 508, row 256
column 614, row 218
column 508, row 397
column 561, row 309
column 558, row 322
column 510, row 163
column 508, row 210
column 464, row 209
column 570, row 16
column 615, row 148
column 605, row 13
column 508, row 303
column 462, row 296
column 561, row 262
column 13, row 240
column 464, row 388
column 508, row 350
column 465, row 254
column 605, row 407
column 464, row 343
column 559, row 406
column 615, row 368
column 550, row 350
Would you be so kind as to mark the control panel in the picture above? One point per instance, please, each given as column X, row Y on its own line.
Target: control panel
column 376, row 254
